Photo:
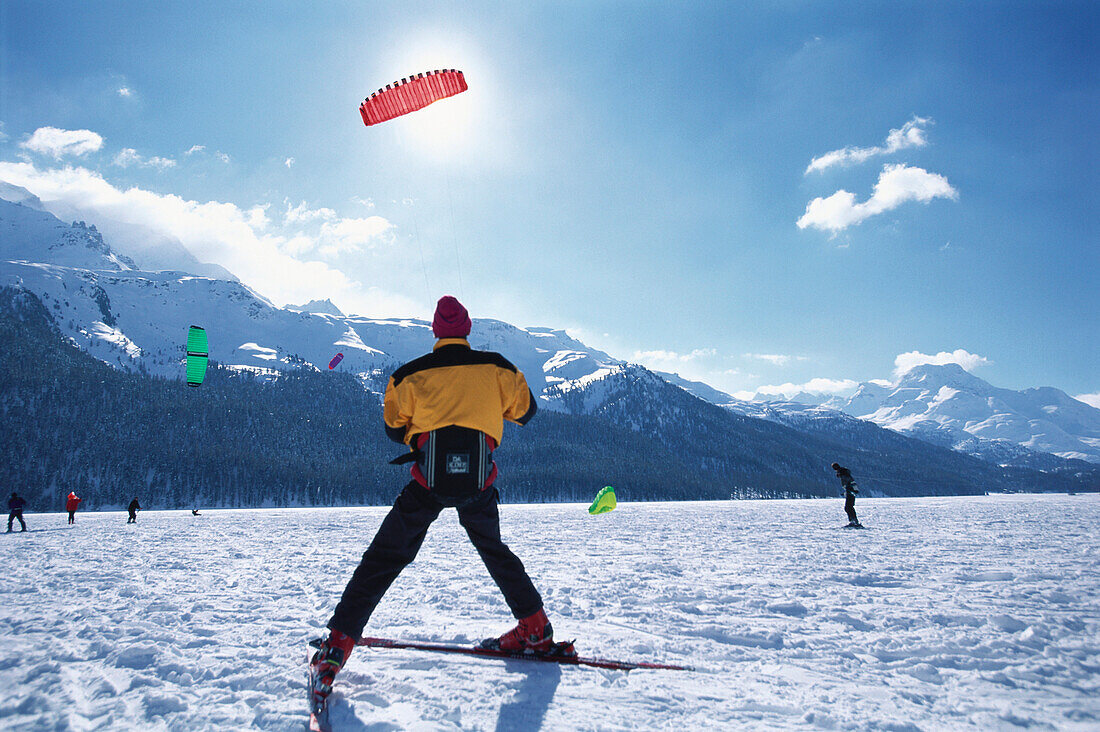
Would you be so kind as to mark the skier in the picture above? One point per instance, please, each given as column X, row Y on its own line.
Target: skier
column 448, row 407
column 70, row 505
column 15, row 511
column 133, row 508
column 850, row 492
column 195, row 512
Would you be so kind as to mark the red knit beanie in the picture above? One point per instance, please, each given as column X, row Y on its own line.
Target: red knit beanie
column 451, row 319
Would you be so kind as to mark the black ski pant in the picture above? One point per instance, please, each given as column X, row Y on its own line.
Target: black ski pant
column 399, row 539
column 132, row 519
column 16, row 515
column 850, row 508
column 72, row 516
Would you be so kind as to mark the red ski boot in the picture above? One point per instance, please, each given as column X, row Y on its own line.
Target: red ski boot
column 331, row 655
column 533, row 635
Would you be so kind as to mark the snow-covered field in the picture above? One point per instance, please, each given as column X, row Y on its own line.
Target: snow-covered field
column 954, row 613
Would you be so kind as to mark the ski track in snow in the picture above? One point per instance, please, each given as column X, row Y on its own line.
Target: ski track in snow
column 946, row 613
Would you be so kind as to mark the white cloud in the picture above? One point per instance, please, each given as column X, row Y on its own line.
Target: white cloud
column 221, row 156
column 336, row 234
column 699, row 364
column 288, row 162
column 816, row 386
column 125, row 91
column 1093, row 400
column 666, row 359
column 368, row 202
column 772, row 358
column 907, row 361
column 298, row 245
column 213, row 231
column 129, row 156
column 911, row 134
column 350, row 234
column 257, row 217
column 896, row 185
column 776, row 359
column 3, row 135
column 195, row 149
column 58, row 143
column 302, row 213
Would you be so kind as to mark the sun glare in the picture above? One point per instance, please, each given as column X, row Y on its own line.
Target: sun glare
column 442, row 130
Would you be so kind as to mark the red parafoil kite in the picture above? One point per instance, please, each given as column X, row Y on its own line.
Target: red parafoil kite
column 335, row 360
column 410, row 94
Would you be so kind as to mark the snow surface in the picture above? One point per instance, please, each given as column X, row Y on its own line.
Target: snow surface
column 960, row 613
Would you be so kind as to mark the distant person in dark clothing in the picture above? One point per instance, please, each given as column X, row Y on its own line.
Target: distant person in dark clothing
column 133, row 508
column 71, row 504
column 15, row 511
column 850, row 492
column 195, row 512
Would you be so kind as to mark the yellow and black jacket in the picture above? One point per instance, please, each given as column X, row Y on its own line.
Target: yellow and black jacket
column 452, row 403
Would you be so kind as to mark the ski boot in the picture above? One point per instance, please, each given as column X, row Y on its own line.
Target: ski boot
column 534, row 634
column 332, row 653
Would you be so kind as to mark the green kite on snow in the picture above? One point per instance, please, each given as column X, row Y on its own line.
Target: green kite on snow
column 605, row 501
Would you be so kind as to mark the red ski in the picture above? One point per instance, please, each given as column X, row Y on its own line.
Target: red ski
column 562, row 653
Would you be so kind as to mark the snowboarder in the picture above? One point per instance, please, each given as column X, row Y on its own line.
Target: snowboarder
column 71, row 504
column 449, row 407
column 133, row 508
column 15, row 511
column 850, row 492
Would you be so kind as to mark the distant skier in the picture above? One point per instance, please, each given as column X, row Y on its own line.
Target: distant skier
column 133, row 508
column 71, row 504
column 850, row 492
column 195, row 512
column 449, row 406
column 15, row 511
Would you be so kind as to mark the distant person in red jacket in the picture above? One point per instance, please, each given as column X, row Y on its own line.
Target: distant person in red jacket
column 71, row 504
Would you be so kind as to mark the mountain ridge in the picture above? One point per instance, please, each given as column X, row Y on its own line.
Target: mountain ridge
column 137, row 320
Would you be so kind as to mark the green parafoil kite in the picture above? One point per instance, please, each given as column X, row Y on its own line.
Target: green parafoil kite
column 196, row 355
column 605, row 501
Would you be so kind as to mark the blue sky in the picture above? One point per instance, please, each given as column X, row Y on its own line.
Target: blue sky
column 634, row 172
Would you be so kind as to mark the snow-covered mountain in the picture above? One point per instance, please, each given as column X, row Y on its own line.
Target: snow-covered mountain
column 142, row 247
column 325, row 306
column 948, row 405
column 138, row 319
column 29, row 234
